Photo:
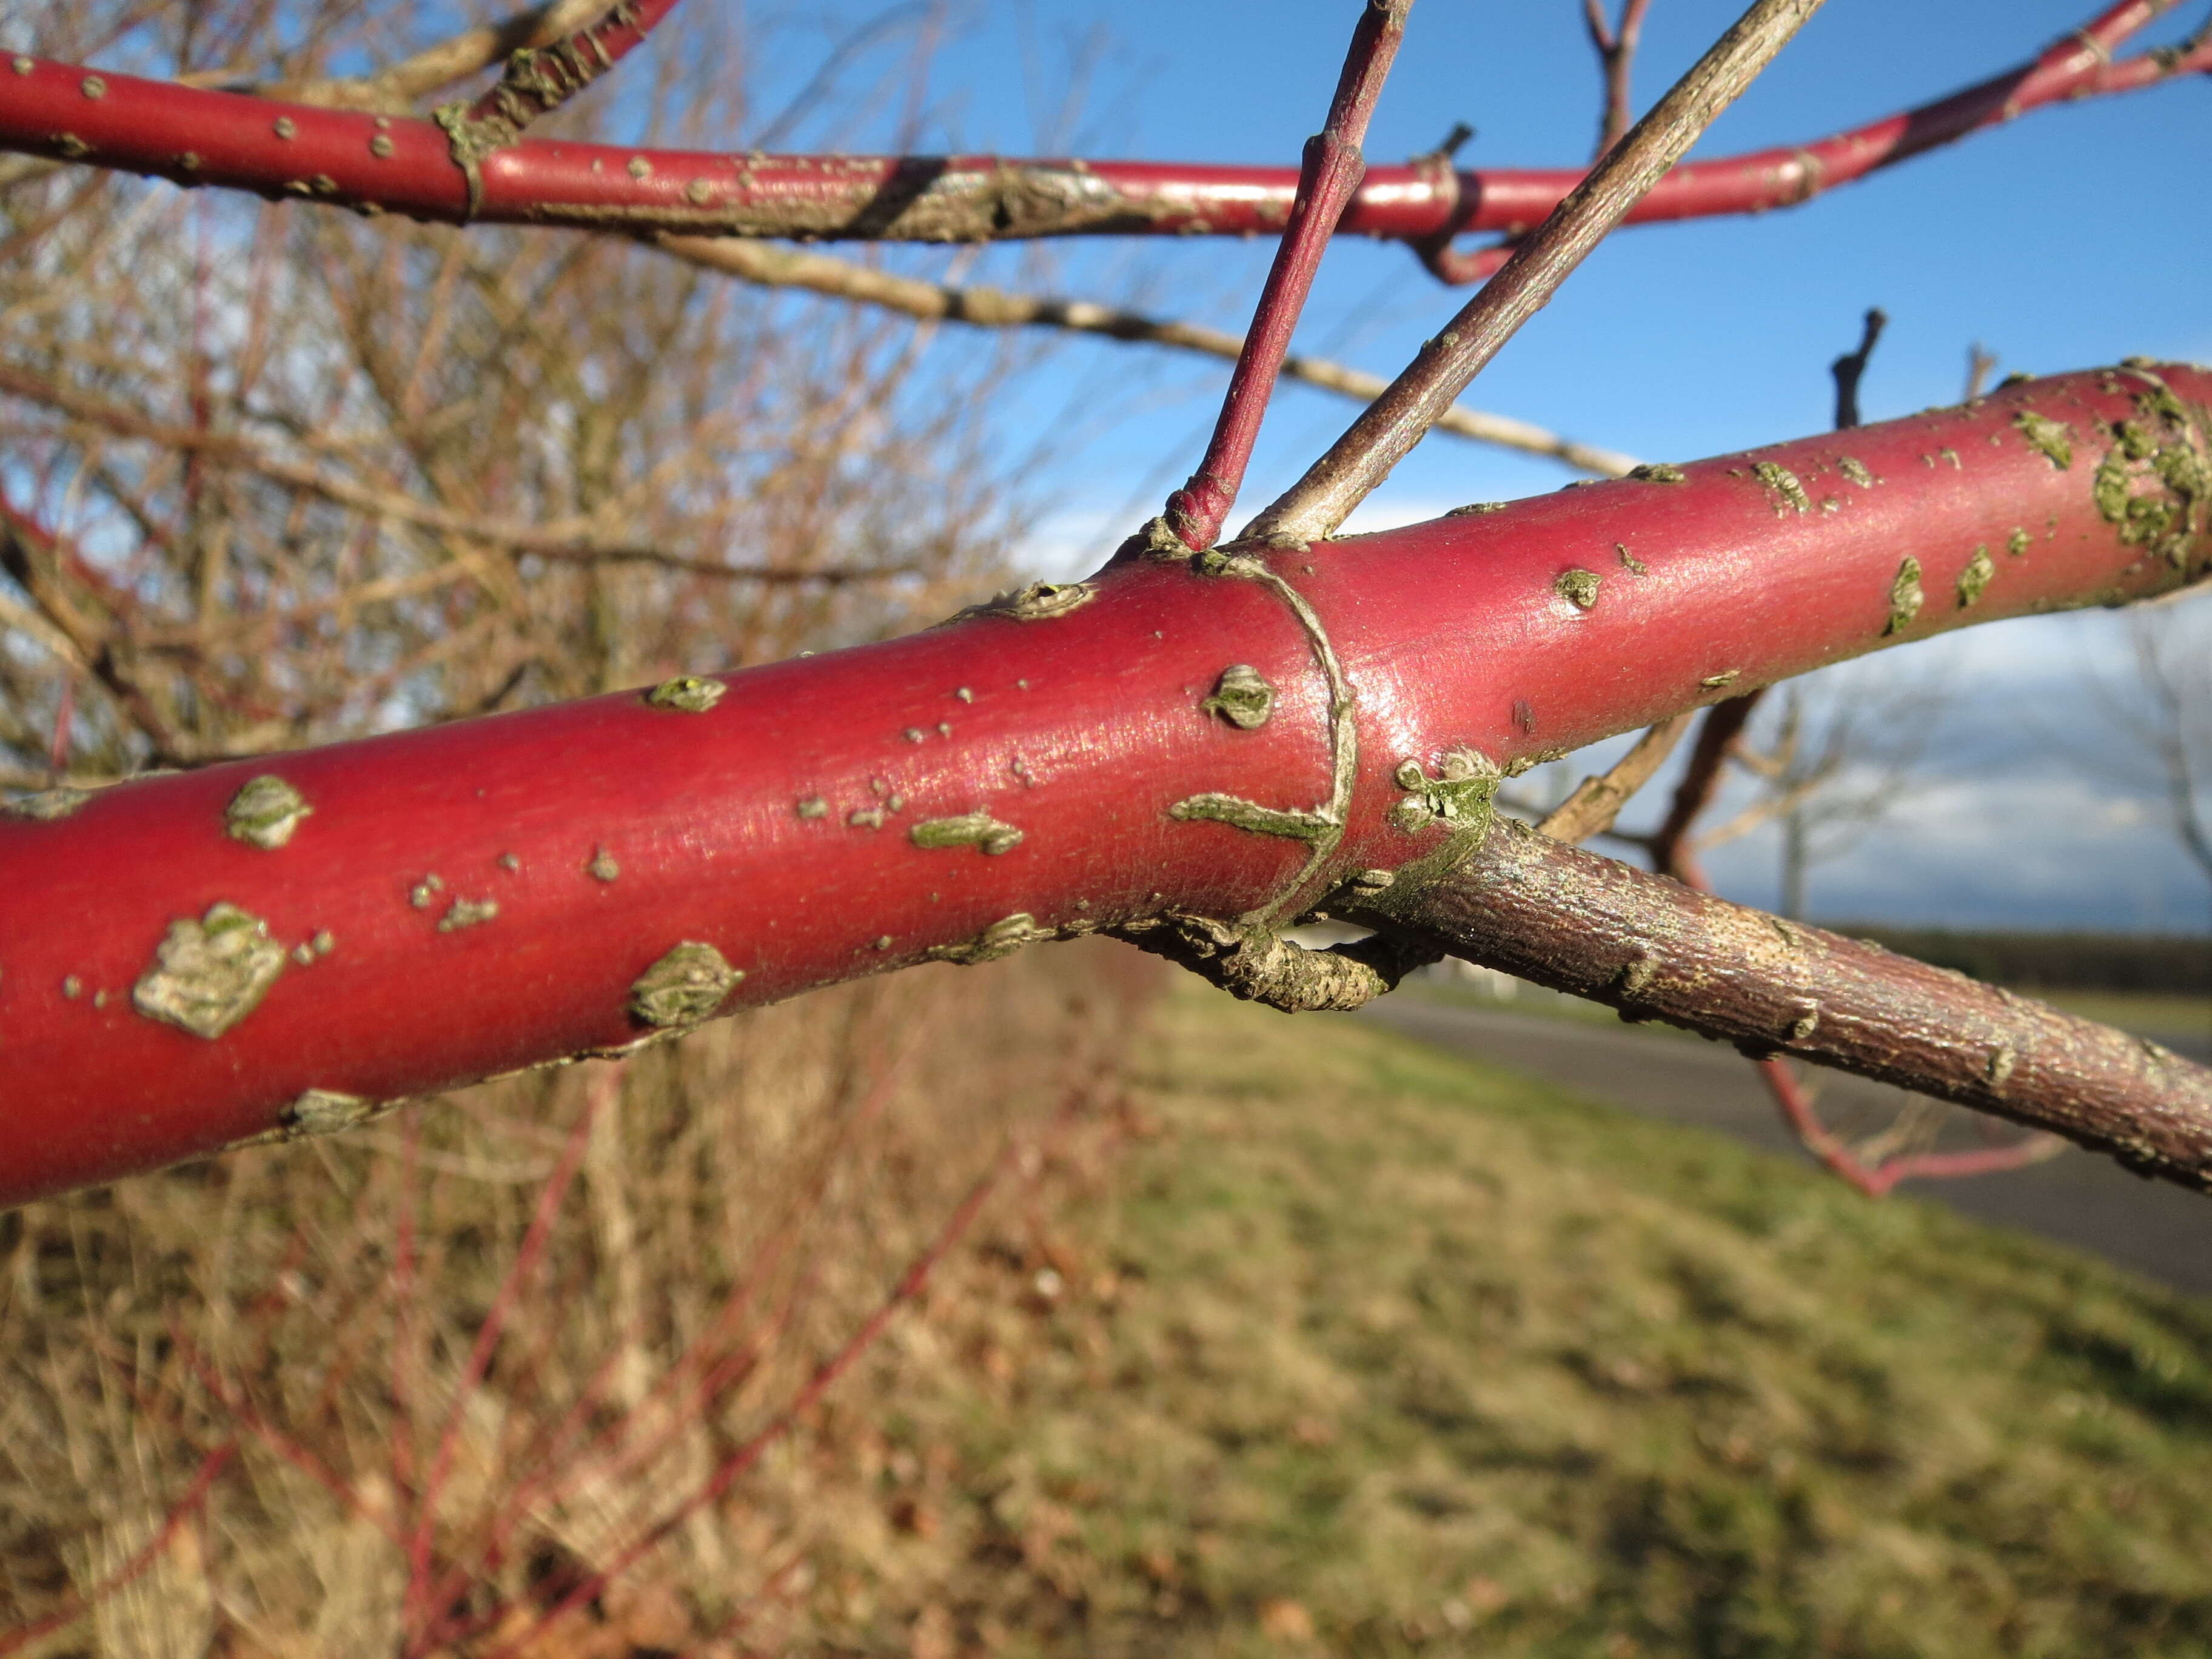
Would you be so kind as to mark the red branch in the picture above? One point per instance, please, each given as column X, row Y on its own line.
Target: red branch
column 381, row 164
column 1061, row 761
column 1877, row 1179
column 1332, row 171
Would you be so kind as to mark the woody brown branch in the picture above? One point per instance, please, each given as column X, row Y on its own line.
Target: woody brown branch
column 1654, row 949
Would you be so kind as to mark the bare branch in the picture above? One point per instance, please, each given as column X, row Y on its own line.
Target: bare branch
column 1616, row 51
column 980, row 306
column 1332, row 169
column 1848, row 368
column 1596, row 802
column 1658, row 950
column 1359, row 460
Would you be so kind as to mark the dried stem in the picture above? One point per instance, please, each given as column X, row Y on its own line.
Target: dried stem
column 982, row 306
column 1358, row 461
column 1330, row 172
column 1852, row 365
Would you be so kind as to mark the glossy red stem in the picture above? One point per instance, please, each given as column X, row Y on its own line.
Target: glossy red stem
column 779, row 825
column 1332, row 170
column 378, row 164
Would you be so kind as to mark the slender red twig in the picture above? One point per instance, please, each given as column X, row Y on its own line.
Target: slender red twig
column 203, row 1482
column 1358, row 462
column 1616, row 51
column 398, row 164
column 1878, row 1178
column 1331, row 172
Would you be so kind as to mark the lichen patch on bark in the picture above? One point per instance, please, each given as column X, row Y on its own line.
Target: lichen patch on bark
column 265, row 812
column 210, row 974
column 688, row 985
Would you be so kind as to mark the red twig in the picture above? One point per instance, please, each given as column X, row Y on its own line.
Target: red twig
column 203, row 137
column 1877, row 1179
column 1616, row 52
column 211, row 1467
column 1331, row 172
column 1670, row 845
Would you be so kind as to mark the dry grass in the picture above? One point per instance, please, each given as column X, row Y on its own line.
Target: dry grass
column 513, row 1372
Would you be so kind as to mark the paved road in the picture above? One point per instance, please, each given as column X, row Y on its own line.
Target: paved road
column 2076, row 1199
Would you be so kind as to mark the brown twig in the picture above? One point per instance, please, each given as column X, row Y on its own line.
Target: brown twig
column 1330, row 172
column 1596, row 801
column 1658, row 950
column 1670, row 844
column 1358, row 461
column 1848, row 368
column 1616, row 52
column 1980, row 365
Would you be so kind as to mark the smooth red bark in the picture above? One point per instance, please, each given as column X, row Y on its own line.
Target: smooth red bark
column 195, row 137
column 1079, row 730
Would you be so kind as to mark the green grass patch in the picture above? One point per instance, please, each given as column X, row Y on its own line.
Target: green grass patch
column 1396, row 1353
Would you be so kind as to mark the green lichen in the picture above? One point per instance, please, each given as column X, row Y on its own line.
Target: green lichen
column 1855, row 470
column 1242, row 697
column 689, row 694
column 2163, row 448
column 2053, row 440
column 813, row 806
column 1975, row 578
column 603, row 867
column 47, row 805
column 1476, row 509
column 466, row 913
column 1001, row 939
column 1459, row 793
column 1906, row 596
column 265, row 812
column 1658, row 472
column 1241, row 814
column 1038, row 601
column 688, row 985
column 1628, row 562
column 977, row 829
column 1784, row 483
column 1715, row 682
column 2016, row 543
column 209, row 975
column 1577, row 586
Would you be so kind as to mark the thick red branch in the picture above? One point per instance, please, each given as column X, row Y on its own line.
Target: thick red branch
column 276, row 946
column 376, row 163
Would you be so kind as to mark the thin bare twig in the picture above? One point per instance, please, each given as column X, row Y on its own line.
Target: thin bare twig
column 393, row 90
column 1852, row 365
column 1596, row 801
column 1616, row 52
column 1358, row 461
column 982, row 306
column 1329, row 173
